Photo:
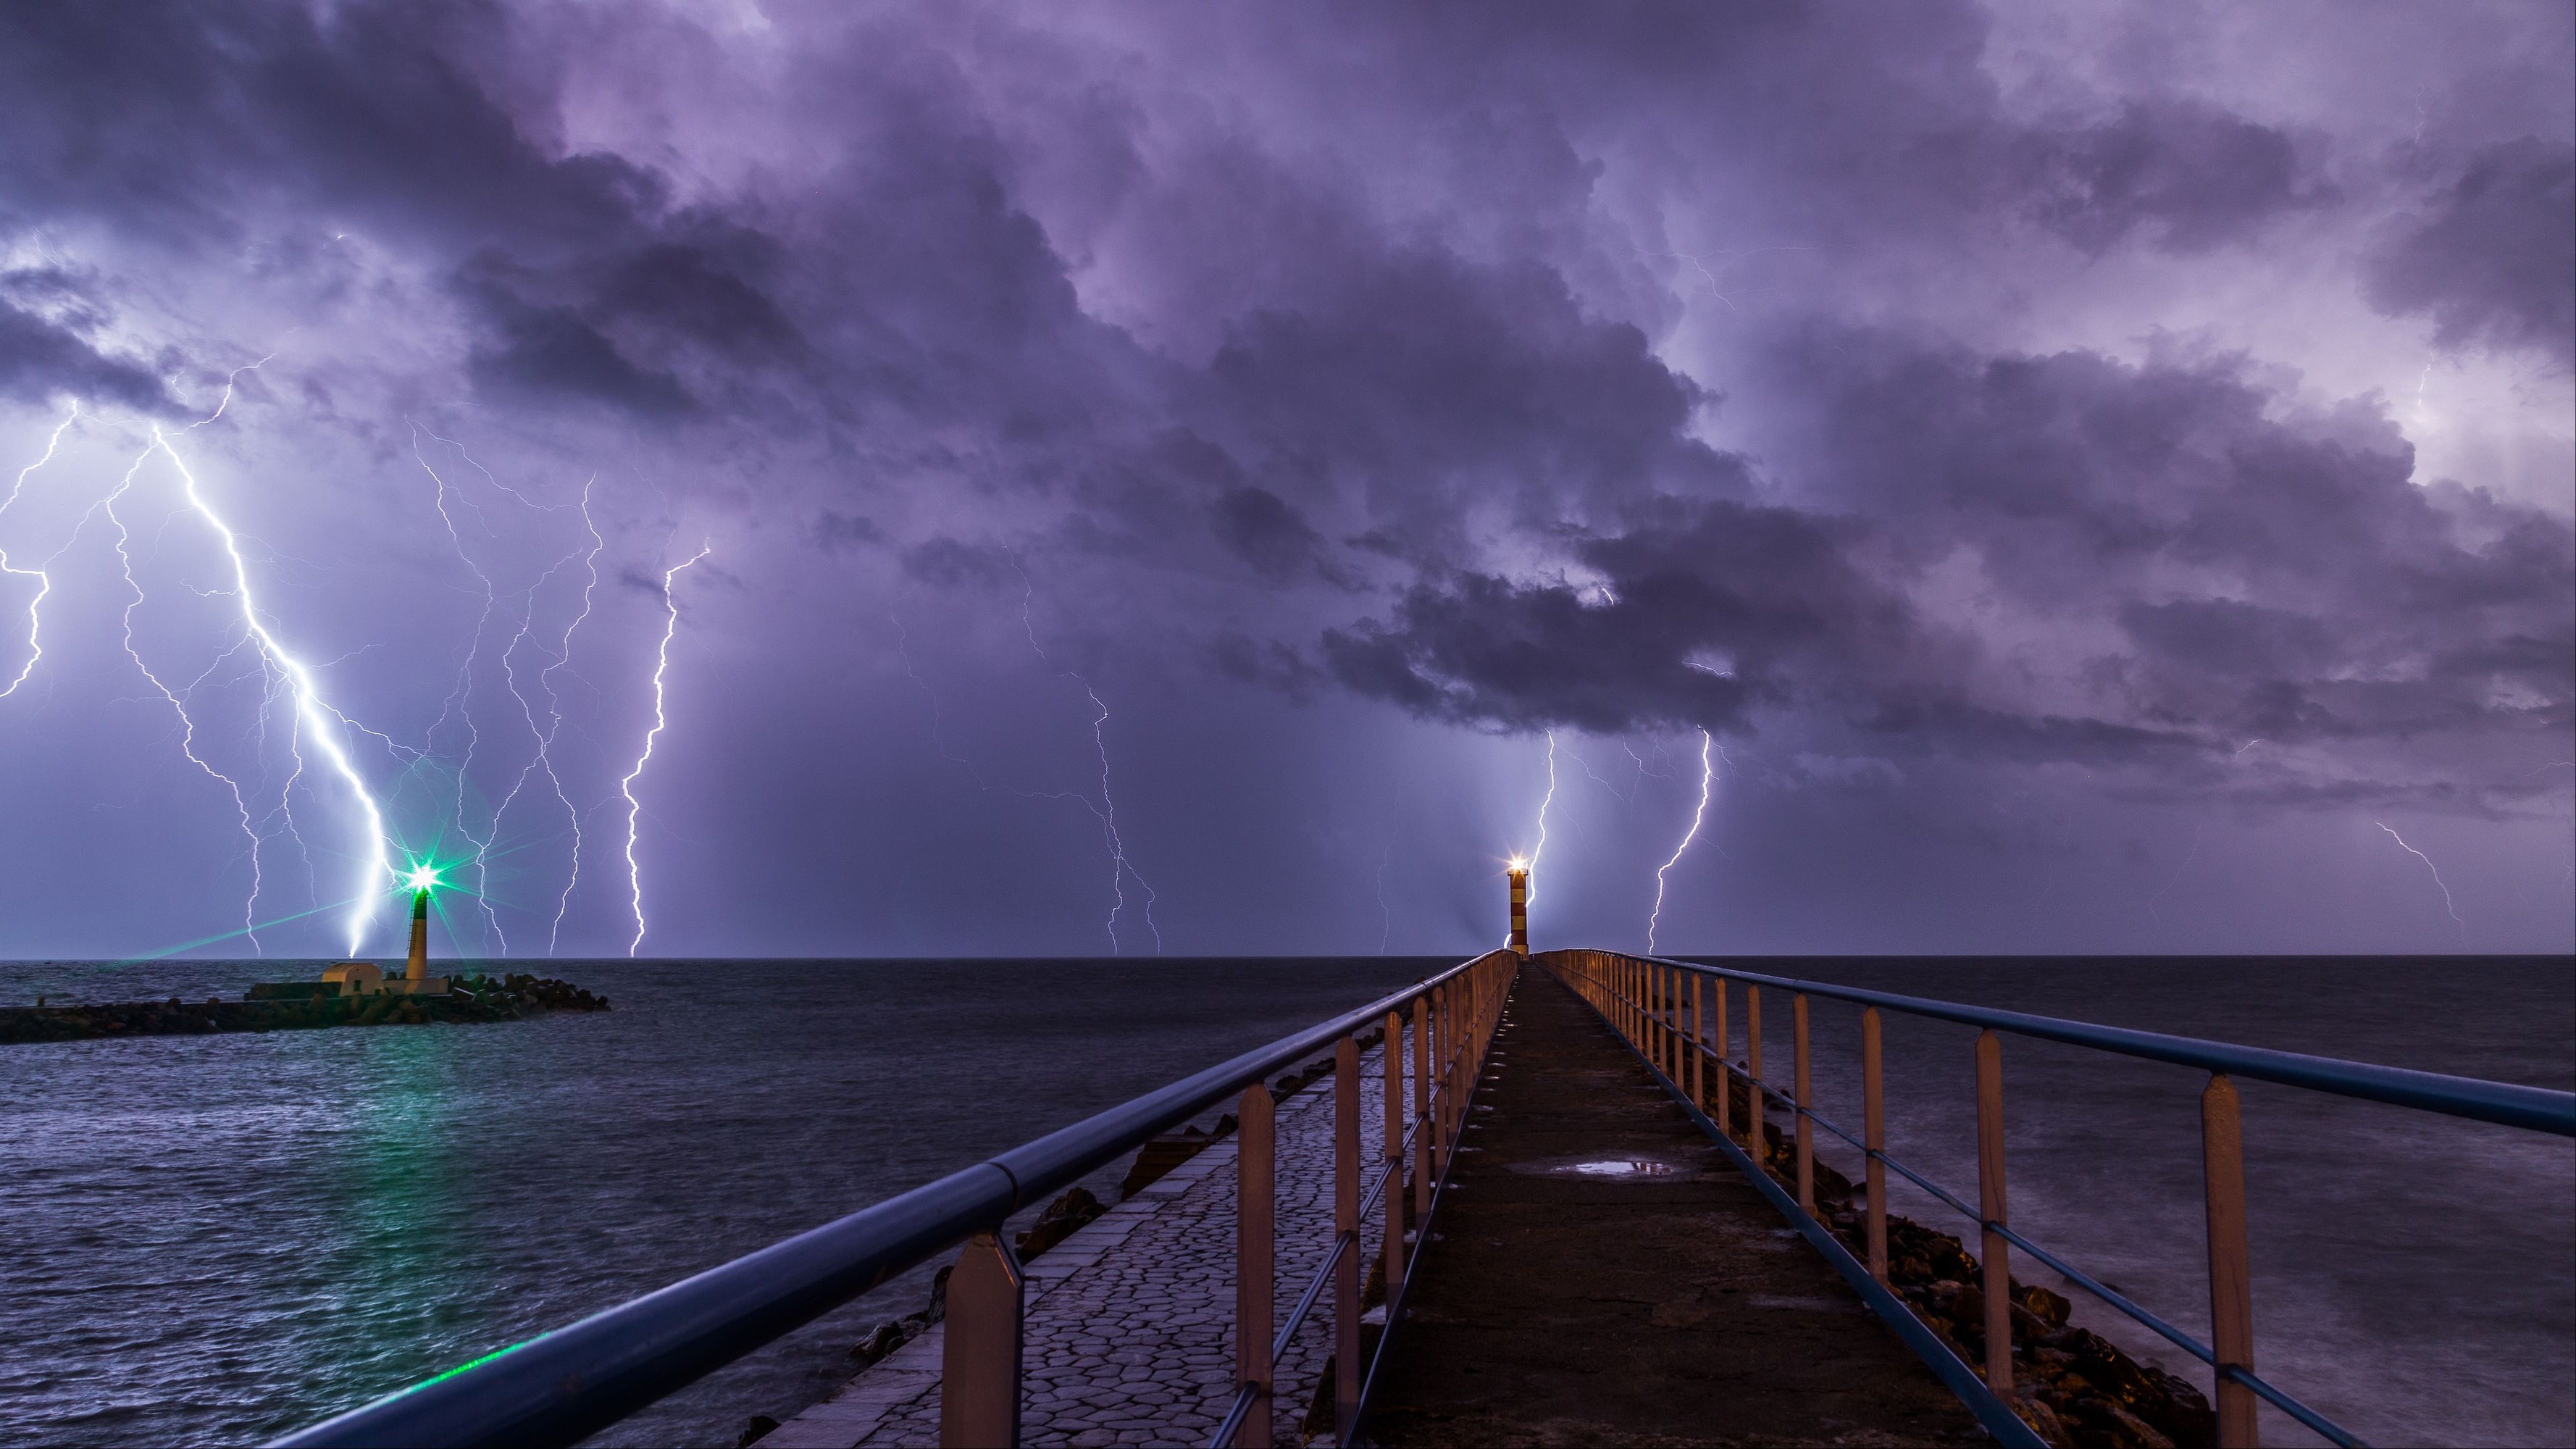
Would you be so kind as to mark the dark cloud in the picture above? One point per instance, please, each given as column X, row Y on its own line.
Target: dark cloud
column 1509, row 366
column 1422, row 388
column 552, row 353
column 833, row 530
column 40, row 361
column 187, row 121
column 2268, row 577
column 1703, row 612
column 2182, row 174
column 1256, row 527
column 696, row 294
column 1264, row 662
column 2229, row 637
column 950, row 563
column 2492, row 258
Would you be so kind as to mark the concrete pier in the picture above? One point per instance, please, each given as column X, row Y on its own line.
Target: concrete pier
column 1599, row 1274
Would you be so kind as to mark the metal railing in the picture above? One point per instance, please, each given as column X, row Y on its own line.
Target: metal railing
column 1645, row 1000
column 564, row 1385
column 1451, row 1029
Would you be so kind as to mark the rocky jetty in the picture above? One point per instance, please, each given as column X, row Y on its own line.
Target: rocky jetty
column 292, row 1006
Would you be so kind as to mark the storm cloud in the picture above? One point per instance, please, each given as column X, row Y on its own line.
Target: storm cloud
column 1924, row 401
column 2492, row 256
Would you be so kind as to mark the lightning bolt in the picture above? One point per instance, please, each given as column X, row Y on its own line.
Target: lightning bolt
column 1104, row 811
column 293, row 692
column 187, row 722
column 1707, row 776
column 938, row 721
column 1109, row 831
column 1120, row 868
column 460, row 700
column 2437, row 879
column 2186, row 862
column 543, row 758
column 1701, row 266
column 635, row 807
column 314, row 715
column 1597, row 777
column 44, row 580
column 1385, row 916
column 1531, row 898
column 554, row 705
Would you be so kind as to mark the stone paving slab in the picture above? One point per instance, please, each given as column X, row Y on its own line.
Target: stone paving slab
column 1129, row 1333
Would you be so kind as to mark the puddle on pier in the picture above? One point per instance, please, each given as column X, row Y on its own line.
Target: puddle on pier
column 1612, row 1168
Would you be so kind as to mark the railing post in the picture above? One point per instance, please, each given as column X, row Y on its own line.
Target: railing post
column 1673, row 1024
column 1255, row 1202
column 1393, row 1248
column 1699, row 1049
column 1655, row 1016
column 1990, row 1199
column 1806, row 1128
column 1421, row 1109
column 1759, row 1109
column 979, row 1366
column 2231, row 1284
column 1725, row 1042
column 1665, row 1010
column 1873, row 1117
column 1646, row 1043
column 1437, row 1129
column 1346, row 1229
column 1450, row 1119
column 1462, row 1033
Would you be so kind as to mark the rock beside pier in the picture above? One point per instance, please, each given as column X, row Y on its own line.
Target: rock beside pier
column 1161, row 1154
column 470, row 999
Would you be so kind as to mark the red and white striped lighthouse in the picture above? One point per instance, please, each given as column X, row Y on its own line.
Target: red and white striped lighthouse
column 1520, row 906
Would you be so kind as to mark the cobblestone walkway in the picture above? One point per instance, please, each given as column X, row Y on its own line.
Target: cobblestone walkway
column 1130, row 1323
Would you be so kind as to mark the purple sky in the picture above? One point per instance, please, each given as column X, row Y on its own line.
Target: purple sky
column 2102, row 481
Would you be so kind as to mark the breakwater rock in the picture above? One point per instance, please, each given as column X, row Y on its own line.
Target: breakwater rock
column 289, row 1007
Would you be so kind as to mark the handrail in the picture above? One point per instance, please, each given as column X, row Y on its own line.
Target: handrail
column 2325, row 1428
column 2530, row 1108
column 1250, row 1396
column 2503, row 1103
column 561, row 1386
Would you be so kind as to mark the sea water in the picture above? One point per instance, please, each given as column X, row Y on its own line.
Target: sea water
column 213, row 1240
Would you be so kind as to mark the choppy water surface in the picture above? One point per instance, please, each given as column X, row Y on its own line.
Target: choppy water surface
column 217, row 1239
column 213, row 1240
